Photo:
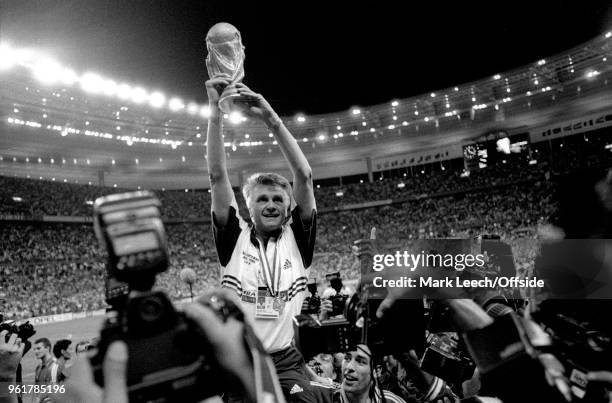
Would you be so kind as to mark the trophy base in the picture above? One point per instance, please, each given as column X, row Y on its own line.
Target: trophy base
column 226, row 103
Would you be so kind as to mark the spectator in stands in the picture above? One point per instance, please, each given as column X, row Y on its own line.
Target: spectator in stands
column 512, row 200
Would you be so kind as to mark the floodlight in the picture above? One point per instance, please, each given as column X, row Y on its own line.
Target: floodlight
column 92, row 83
column 176, row 104
column 139, row 95
column 47, row 71
column 157, row 99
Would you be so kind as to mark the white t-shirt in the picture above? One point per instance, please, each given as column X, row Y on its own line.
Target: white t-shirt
column 242, row 271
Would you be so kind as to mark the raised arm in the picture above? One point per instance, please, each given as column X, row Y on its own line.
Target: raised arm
column 303, row 190
column 220, row 186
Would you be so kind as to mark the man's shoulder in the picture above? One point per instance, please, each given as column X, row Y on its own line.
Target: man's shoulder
column 392, row 397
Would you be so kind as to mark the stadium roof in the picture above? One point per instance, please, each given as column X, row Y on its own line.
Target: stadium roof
column 62, row 120
column 315, row 57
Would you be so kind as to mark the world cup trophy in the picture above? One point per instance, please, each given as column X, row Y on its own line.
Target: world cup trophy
column 225, row 58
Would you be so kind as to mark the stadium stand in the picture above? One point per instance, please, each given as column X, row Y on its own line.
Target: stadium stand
column 62, row 267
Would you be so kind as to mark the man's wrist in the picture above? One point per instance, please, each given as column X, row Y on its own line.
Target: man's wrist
column 215, row 114
column 272, row 121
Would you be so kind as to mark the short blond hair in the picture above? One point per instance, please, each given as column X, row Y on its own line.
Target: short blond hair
column 265, row 179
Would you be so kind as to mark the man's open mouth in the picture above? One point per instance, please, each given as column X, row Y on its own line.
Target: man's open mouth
column 350, row 378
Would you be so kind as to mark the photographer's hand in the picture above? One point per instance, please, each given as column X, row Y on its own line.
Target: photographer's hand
column 227, row 341
column 326, row 309
column 11, row 351
column 82, row 388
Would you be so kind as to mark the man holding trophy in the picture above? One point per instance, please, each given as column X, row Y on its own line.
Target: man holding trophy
column 265, row 262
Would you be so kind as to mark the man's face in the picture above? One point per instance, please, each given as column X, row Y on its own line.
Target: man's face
column 40, row 351
column 268, row 207
column 356, row 372
column 69, row 352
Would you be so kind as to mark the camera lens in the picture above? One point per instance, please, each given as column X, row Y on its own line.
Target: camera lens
column 151, row 309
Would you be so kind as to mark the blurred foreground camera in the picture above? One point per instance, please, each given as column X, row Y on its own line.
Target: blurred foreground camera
column 169, row 360
column 24, row 330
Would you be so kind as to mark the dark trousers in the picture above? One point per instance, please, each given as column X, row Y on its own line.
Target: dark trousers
column 292, row 376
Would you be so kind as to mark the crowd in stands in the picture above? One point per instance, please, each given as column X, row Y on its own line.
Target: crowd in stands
column 66, row 199
column 555, row 157
column 63, row 266
column 53, row 268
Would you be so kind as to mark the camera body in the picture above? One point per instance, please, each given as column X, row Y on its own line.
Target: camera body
column 312, row 302
column 169, row 359
column 24, row 330
column 326, row 336
column 359, row 324
column 338, row 304
column 581, row 340
column 167, row 356
column 444, row 358
column 338, row 300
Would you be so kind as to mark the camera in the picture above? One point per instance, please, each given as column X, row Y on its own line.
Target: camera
column 313, row 302
column 581, row 336
column 359, row 324
column 445, row 358
column 24, row 330
column 169, row 359
column 515, row 348
column 129, row 225
column 328, row 336
column 338, row 304
column 581, row 340
column 338, row 300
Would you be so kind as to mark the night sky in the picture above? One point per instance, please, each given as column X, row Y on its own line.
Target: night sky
column 306, row 57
